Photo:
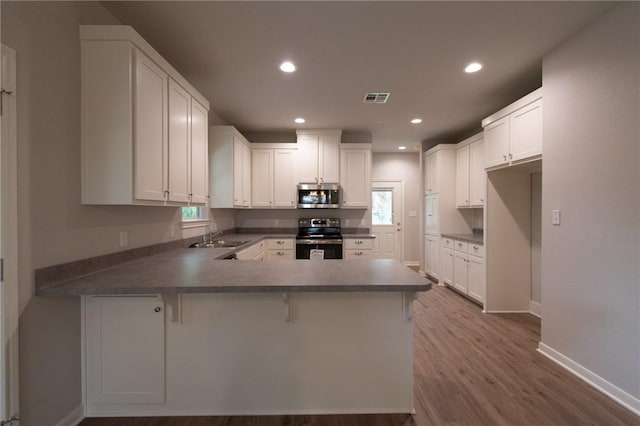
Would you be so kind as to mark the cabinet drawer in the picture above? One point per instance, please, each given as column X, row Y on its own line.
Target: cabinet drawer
column 476, row 249
column 251, row 252
column 358, row 243
column 282, row 254
column 357, row 254
column 447, row 242
column 461, row 246
column 279, row 244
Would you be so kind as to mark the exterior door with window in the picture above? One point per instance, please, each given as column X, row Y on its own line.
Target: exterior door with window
column 386, row 219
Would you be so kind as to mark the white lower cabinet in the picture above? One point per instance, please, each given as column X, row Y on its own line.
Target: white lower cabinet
column 124, row 349
column 460, row 271
column 280, row 249
column 254, row 252
column 462, row 267
column 358, row 248
column 476, row 279
column 431, row 255
column 446, row 266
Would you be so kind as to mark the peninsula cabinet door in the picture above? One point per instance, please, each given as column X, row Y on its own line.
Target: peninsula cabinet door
column 125, row 357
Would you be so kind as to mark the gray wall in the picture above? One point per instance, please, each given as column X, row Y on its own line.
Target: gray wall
column 536, row 237
column 406, row 167
column 591, row 171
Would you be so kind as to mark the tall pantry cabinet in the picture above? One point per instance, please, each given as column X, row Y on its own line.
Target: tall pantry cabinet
column 440, row 213
column 143, row 126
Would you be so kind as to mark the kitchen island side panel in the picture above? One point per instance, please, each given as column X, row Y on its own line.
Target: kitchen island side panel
column 235, row 353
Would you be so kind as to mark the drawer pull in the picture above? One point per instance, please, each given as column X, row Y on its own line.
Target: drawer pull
column 358, row 242
column 280, row 242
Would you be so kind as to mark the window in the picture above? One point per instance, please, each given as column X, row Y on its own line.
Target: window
column 382, row 207
column 191, row 213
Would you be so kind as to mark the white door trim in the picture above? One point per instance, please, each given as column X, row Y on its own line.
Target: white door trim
column 403, row 219
column 9, row 223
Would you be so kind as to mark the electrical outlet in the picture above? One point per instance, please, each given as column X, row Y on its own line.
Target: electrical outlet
column 555, row 217
column 124, row 237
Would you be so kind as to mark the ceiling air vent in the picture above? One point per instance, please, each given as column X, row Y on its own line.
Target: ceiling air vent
column 376, row 98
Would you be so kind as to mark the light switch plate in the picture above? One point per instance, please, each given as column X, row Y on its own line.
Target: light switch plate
column 124, row 237
column 555, row 217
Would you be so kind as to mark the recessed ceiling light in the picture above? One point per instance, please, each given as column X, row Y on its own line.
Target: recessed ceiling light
column 416, row 121
column 402, row 148
column 473, row 67
column 299, row 120
column 287, row 66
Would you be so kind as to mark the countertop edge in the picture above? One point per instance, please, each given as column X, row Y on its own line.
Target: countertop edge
column 56, row 291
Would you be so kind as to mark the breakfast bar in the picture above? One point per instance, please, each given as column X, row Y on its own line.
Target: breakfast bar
column 181, row 333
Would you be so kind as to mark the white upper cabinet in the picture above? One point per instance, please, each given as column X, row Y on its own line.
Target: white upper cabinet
column 318, row 156
column 284, row 178
column 150, row 131
column 179, row 142
column 229, row 168
column 129, row 113
column 462, row 176
column 188, row 162
column 355, row 176
column 514, row 134
column 477, row 174
column 526, row 132
column 199, row 164
column 273, row 177
column 432, row 214
column 470, row 173
column 496, row 143
column 262, row 178
column 431, row 174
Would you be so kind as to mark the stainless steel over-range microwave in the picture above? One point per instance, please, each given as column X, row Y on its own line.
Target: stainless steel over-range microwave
column 318, row 196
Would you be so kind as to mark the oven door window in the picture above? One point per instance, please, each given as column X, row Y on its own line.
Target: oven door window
column 328, row 251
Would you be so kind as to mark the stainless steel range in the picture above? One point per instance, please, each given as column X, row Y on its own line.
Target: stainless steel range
column 319, row 238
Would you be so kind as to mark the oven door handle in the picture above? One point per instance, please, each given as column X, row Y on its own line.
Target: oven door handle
column 318, row 241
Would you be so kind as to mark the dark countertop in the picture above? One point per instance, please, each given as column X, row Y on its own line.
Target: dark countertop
column 475, row 238
column 199, row 271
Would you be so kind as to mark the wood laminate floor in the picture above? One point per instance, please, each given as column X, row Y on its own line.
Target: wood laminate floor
column 470, row 369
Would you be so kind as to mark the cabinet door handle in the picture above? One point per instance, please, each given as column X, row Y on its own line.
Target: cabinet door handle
column 505, row 157
column 157, row 309
column 510, row 156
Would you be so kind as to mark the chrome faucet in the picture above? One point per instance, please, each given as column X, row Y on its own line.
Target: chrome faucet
column 212, row 235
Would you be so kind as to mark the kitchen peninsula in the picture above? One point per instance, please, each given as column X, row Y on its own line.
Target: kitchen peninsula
column 181, row 333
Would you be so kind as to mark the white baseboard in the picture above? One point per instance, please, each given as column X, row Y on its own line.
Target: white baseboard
column 535, row 308
column 620, row 396
column 73, row 418
column 412, row 264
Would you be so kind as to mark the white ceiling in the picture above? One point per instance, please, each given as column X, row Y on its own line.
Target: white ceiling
column 231, row 51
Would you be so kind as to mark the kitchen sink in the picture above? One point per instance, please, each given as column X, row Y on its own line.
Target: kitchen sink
column 220, row 244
